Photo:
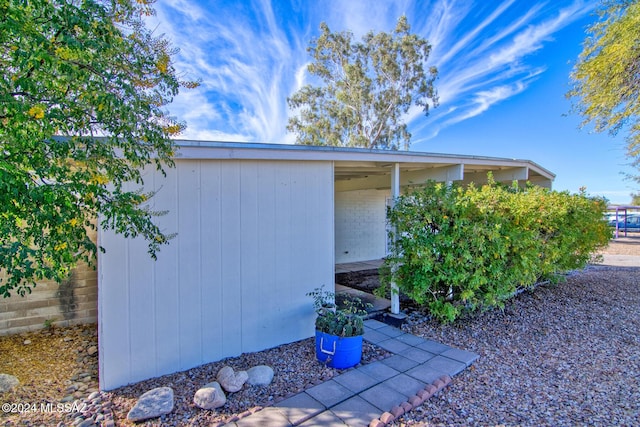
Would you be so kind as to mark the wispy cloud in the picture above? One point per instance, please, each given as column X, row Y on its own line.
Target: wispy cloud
column 251, row 56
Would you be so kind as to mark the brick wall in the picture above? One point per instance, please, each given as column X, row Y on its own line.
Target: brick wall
column 72, row 302
column 360, row 225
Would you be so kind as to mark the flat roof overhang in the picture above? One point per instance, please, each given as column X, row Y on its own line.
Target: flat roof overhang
column 354, row 166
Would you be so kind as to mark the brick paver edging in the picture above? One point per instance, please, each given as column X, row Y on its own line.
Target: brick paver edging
column 413, row 402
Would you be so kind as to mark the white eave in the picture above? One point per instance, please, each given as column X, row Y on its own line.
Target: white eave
column 354, row 163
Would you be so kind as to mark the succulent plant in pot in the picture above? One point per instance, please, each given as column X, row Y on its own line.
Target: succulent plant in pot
column 339, row 328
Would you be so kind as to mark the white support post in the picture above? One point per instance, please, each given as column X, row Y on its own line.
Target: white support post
column 395, row 193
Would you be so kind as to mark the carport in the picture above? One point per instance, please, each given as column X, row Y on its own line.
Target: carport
column 257, row 227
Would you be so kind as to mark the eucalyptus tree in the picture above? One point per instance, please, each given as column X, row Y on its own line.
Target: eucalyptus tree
column 606, row 78
column 366, row 89
column 82, row 92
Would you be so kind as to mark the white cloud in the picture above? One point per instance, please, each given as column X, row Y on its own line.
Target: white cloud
column 251, row 56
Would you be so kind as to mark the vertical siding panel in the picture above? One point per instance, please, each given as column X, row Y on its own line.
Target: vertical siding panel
column 231, row 267
column 141, row 311
column 211, row 266
column 190, row 316
column 166, row 275
column 252, row 309
column 283, row 238
column 320, row 210
column 113, row 311
column 253, row 238
column 267, row 250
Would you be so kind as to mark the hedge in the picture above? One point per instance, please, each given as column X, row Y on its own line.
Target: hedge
column 461, row 249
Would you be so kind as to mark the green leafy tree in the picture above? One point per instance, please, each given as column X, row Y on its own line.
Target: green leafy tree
column 635, row 199
column 82, row 89
column 367, row 88
column 606, row 78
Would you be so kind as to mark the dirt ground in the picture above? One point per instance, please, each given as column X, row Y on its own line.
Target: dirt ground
column 629, row 245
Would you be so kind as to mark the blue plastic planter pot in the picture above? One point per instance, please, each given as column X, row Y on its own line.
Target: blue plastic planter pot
column 338, row 352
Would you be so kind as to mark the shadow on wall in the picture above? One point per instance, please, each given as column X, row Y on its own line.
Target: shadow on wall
column 67, row 298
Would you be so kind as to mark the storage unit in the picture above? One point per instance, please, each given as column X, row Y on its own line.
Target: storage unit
column 257, row 227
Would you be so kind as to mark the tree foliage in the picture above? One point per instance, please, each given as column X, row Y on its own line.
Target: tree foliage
column 459, row 249
column 367, row 88
column 82, row 89
column 606, row 78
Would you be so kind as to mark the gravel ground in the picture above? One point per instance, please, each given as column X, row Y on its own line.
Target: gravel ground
column 295, row 369
column 562, row 355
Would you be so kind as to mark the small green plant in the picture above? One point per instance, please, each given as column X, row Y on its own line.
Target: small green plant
column 347, row 320
column 48, row 324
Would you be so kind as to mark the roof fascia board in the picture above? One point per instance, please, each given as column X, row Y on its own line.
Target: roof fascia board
column 254, row 151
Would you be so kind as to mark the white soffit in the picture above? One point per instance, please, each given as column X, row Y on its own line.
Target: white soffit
column 358, row 162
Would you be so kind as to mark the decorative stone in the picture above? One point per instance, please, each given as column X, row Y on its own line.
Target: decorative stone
column 260, row 375
column 152, row 404
column 26, row 342
column 210, row 396
column 92, row 350
column 231, row 381
column 8, row 382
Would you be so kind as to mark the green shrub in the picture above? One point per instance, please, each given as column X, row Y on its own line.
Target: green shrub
column 460, row 249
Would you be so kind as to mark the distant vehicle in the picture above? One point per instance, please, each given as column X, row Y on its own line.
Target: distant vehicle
column 632, row 222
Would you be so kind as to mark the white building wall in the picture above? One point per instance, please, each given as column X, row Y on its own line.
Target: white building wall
column 253, row 237
column 360, row 225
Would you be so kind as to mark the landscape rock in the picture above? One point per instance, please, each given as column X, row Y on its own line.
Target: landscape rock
column 152, row 404
column 231, row 381
column 260, row 375
column 210, row 396
column 8, row 382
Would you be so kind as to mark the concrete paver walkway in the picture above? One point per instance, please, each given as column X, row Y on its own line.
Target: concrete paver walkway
column 378, row 390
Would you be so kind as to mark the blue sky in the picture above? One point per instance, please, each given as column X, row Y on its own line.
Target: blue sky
column 503, row 72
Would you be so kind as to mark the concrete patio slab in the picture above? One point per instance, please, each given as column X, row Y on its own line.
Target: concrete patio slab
column 424, row 373
column 444, row 364
column 390, row 331
column 405, row 385
column 379, row 371
column 353, row 411
column 374, row 324
column 394, row 346
column 330, row 393
column 399, row 363
column 356, row 380
column 374, row 336
column 411, row 339
column 433, row 347
column 383, row 397
column 359, row 395
column 271, row 417
column 325, row 419
column 417, row 354
column 300, row 408
column 463, row 356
